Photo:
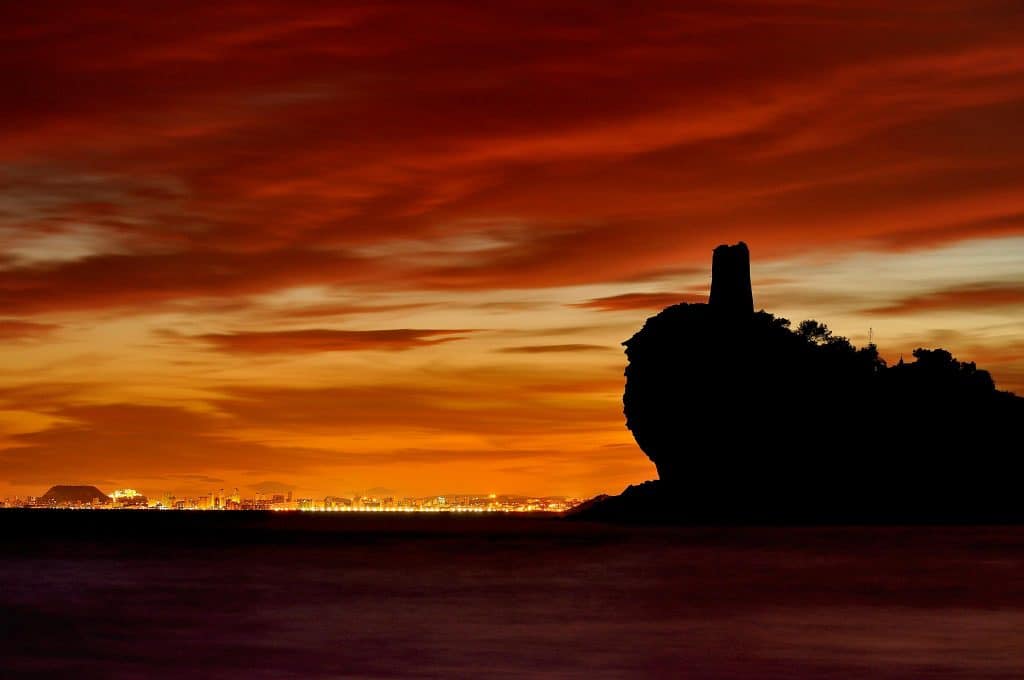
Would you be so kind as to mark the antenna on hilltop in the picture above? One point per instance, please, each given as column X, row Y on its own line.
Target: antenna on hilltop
column 871, row 336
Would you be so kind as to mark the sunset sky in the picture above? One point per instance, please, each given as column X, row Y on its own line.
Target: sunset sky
column 397, row 245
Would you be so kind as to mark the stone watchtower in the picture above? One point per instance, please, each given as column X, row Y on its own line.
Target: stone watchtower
column 730, row 280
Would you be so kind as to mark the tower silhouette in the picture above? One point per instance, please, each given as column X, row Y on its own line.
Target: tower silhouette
column 730, row 280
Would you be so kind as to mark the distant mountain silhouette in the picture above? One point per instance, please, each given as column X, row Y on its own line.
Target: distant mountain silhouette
column 749, row 420
column 72, row 495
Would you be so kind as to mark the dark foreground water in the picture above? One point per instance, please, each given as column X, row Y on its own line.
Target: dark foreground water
column 237, row 595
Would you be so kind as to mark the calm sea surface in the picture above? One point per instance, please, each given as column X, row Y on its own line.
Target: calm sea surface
column 237, row 595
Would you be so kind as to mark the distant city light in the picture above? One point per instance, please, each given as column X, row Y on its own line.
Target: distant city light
column 130, row 499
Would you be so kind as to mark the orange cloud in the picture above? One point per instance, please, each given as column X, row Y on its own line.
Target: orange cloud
column 336, row 310
column 630, row 301
column 125, row 441
column 325, row 340
column 512, row 406
column 549, row 349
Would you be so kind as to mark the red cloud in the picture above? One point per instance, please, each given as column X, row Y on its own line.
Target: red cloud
column 980, row 296
column 144, row 279
column 11, row 329
column 325, row 340
column 268, row 147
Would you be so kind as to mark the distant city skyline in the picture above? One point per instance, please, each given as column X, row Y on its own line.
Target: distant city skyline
column 64, row 496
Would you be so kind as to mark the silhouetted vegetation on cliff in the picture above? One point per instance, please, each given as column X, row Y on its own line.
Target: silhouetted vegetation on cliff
column 746, row 418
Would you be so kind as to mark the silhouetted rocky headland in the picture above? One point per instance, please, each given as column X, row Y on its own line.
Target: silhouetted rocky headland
column 750, row 420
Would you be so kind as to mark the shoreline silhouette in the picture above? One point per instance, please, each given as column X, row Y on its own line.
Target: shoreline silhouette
column 750, row 420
